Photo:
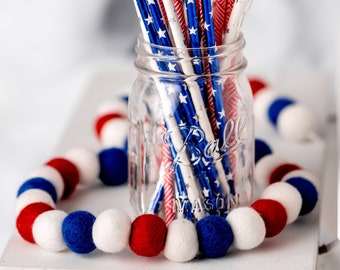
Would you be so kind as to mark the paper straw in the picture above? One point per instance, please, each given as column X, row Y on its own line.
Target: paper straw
column 169, row 198
column 149, row 34
column 194, row 42
column 179, row 8
column 236, row 19
column 229, row 9
column 216, row 81
column 219, row 13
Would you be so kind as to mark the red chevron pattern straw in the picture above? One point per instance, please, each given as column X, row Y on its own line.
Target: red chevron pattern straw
column 219, row 19
column 169, row 196
column 179, row 8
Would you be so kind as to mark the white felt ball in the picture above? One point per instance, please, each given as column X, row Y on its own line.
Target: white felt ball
column 181, row 242
column 295, row 122
column 262, row 101
column 87, row 163
column 32, row 196
column 305, row 174
column 47, row 230
column 113, row 106
column 264, row 167
column 247, row 226
column 53, row 176
column 111, row 230
column 288, row 196
column 114, row 133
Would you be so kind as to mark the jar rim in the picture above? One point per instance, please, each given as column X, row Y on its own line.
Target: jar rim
column 228, row 48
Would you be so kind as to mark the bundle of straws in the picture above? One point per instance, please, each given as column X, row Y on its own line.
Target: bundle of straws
column 194, row 24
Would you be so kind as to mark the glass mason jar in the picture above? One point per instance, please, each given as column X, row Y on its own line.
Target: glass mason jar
column 191, row 136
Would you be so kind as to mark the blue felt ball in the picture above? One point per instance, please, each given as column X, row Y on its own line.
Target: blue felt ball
column 276, row 107
column 77, row 232
column 261, row 149
column 307, row 191
column 39, row 183
column 214, row 235
column 113, row 166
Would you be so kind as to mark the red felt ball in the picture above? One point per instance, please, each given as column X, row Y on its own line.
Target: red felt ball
column 100, row 122
column 26, row 218
column 280, row 171
column 256, row 85
column 69, row 173
column 273, row 214
column 148, row 234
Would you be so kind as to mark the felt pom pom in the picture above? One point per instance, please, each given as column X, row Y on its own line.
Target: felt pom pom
column 38, row 183
column 304, row 174
column 280, row 171
column 148, row 233
column 214, row 236
column 264, row 167
column 276, row 107
column 288, row 196
column 113, row 166
column 296, row 122
column 181, row 243
column 262, row 101
column 47, row 230
column 86, row 162
column 103, row 119
column 32, row 196
column 247, row 226
column 51, row 175
column 256, row 85
column 27, row 217
column 111, row 230
column 273, row 214
column 77, row 232
column 261, row 149
column 114, row 133
column 69, row 173
column 308, row 192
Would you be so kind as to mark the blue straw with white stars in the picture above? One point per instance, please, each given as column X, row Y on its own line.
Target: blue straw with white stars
column 216, row 84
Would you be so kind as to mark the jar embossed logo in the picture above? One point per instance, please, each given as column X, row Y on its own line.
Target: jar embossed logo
column 205, row 152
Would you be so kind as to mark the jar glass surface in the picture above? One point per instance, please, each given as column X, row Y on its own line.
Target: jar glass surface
column 191, row 130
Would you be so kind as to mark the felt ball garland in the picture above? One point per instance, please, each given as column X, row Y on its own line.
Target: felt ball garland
column 111, row 231
column 291, row 119
column 289, row 191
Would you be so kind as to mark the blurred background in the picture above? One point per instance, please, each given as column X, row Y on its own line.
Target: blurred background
column 50, row 51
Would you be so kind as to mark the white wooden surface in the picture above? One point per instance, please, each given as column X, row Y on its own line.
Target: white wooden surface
column 295, row 248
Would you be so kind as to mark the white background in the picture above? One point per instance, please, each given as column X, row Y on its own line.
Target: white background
column 49, row 51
